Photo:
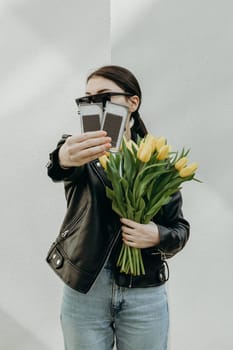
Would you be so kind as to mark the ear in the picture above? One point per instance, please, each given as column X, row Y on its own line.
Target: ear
column 133, row 103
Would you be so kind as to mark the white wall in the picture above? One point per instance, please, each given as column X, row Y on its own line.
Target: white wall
column 47, row 50
column 182, row 53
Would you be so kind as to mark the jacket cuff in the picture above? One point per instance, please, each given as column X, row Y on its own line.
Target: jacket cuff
column 55, row 171
column 166, row 236
column 173, row 239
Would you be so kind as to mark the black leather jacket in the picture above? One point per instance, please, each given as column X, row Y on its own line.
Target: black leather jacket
column 91, row 232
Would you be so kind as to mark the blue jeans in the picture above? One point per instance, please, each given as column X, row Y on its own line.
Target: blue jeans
column 137, row 318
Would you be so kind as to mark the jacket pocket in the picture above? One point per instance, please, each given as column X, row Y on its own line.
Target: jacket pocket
column 55, row 256
column 71, row 226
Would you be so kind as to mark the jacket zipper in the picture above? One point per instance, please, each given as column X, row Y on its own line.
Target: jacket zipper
column 64, row 233
column 93, row 164
column 164, row 255
column 70, row 227
column 118, row 233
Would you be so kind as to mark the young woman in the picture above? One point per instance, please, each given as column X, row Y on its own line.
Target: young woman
column 100, row 304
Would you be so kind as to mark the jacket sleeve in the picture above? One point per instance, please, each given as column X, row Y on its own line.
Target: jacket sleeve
column 56, row 172
column 173, row 227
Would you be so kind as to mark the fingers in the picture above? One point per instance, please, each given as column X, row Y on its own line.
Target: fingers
column 74, row 139
column 131, row 241
column 130, row 236
column 132, row 244
column 88, row 150
column 100, row 144
column 128, row 229
column 139, row 235
column 81, row 149
column 130, row 233
column 87, row 135
column 130, row 223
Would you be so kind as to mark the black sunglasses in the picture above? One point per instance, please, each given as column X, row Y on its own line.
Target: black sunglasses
column 100, row 98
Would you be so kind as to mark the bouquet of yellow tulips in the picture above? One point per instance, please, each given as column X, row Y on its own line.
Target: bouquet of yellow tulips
column 143, row 176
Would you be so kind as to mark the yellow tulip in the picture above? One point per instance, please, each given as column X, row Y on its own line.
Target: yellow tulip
column 189, row 170
column 160, row 143
column 144, row 152
column 163, row 152
column 152, row 141
column 103, row 161
column 181, row 163
column 129, row 145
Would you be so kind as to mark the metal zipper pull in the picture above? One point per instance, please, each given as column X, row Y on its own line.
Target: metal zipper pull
column 64, row 234
column 131, row 280
column 163, row 255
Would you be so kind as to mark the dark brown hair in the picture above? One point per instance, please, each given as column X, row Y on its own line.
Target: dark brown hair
column 127, row 81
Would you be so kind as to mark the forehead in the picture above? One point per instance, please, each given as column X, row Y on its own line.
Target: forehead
column 99, row 84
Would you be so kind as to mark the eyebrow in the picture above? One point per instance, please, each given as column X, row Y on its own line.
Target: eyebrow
column 99, row 91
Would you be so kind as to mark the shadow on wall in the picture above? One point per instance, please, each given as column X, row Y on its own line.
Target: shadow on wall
column 14, row 336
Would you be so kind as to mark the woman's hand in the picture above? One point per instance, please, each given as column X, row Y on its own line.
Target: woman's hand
column 81, row 149
column 139, row 235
